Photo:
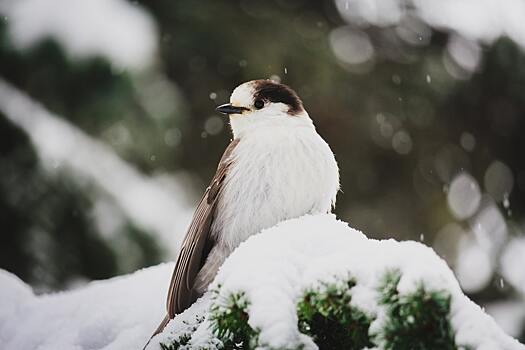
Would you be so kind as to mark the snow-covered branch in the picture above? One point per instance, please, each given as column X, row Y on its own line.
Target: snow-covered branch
column 308, row 283
column 147, row 201
column 315, row 282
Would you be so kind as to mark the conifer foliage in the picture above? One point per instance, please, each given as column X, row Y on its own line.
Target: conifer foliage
column 230, row 324
column 418, row 320
column 326, row 315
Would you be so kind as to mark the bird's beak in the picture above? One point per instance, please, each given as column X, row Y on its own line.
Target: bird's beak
column 227, row 108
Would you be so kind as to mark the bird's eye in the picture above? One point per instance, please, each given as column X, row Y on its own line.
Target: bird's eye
column 259, row 104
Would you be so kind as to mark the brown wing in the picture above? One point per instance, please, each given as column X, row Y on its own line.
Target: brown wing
column 197, row 243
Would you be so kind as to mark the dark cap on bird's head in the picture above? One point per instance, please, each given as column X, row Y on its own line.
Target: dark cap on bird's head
column 257, row 94
column 270, row 91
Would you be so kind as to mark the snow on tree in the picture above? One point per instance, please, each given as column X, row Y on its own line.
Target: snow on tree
column 308, row 283
column 121, row 32
column 314, row 282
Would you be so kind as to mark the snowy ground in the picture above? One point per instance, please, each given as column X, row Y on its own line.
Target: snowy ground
column 119, row 313
column 272, row 268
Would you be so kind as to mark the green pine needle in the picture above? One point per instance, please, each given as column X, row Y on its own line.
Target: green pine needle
column 230, row 323
column 325, row 314
column 418, row 321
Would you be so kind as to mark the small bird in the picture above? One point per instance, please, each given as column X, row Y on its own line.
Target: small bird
column 277, row 167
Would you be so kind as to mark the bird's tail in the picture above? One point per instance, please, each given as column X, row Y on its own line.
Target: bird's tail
column 159, row 329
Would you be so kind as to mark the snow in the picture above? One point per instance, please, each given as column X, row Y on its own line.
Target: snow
column 118, row 313
column 476, row 20
column 116, row 29
column 157, row 204
column 276, row 266
column 12, row 294
column 272, row 268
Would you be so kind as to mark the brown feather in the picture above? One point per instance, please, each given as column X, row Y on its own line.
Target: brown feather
column 196, row 244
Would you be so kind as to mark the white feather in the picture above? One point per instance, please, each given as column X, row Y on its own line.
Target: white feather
column 278, row 173
column 282, row 169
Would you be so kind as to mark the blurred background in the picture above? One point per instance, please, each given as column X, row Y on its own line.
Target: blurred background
column 108, row 133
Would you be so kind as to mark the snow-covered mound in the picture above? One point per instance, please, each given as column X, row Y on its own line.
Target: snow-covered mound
column 270, row 272
column 119, row 313
column 266, row 277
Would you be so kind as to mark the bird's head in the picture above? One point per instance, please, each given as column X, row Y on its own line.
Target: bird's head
column 264, row 103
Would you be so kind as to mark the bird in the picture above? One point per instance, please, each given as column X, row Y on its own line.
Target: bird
column 276, row 167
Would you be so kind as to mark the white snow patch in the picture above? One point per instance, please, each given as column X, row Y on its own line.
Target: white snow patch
column 13, row 293
column 157, row 204
column 119, row 313
column 273, row 269
column 476, row 20
column 191, row 320
column 116, row 29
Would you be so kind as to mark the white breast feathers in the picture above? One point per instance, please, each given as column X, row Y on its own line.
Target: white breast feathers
column 277, row 174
